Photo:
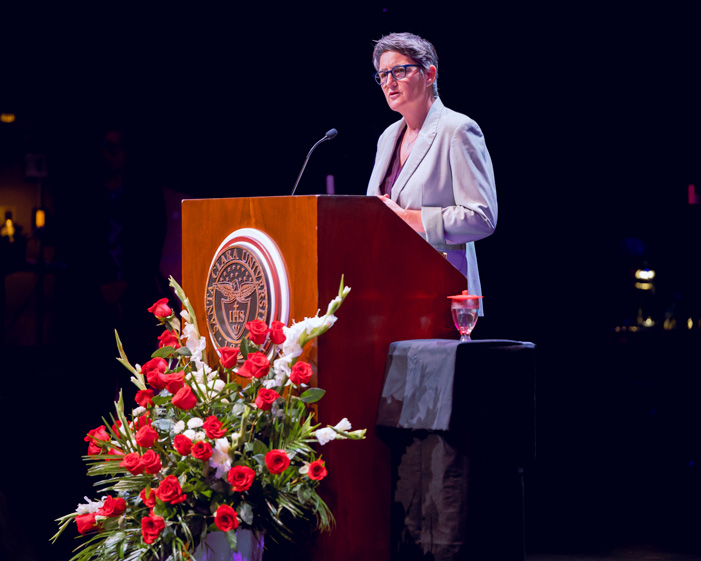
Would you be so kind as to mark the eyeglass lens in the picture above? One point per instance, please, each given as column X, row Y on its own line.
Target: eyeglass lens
column 399, row 73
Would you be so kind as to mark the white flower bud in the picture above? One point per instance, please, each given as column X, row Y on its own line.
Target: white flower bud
column 343, row 425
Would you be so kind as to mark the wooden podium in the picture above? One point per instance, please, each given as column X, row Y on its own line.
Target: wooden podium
column 399, row 288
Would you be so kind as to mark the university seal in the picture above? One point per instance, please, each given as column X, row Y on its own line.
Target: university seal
column 247, row 280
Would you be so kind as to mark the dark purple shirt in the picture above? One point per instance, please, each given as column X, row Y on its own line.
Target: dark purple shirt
column 395, row 167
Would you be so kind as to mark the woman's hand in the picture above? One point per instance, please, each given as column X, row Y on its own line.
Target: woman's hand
column 411, row 217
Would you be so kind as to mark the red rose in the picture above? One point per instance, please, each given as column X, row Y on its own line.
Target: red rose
column 140, row 422
column 151, row 462
column 317, row 471
column 151, row 528
column 241, row 478
column 277, row 461
column 256, row 364
column 213, row 427
column 153, row 370
column 182, row 444
column 95, row 437
column 228, row 356
column 184, row 398
column 201, row 450
column 116, row 426
column 257, row 331
column 148, row 498
column 265, row 398
column 301, row 373
column 277, row 336
column 168, row 339
column 169, row 491
column 225, row 518
column 113, row 507
column 173, row 381
column 161, row 309
column 86, row 522
column 114, row 452
column 93, row 449
column 144, row 398
column 146, row 436
column 132, row 463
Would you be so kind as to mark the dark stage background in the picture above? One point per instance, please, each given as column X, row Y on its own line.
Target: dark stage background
column 592, row 119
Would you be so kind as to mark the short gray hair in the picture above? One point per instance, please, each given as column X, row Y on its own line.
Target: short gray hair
column 419, row 50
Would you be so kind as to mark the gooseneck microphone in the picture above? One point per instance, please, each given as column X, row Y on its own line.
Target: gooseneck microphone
column 328, row 136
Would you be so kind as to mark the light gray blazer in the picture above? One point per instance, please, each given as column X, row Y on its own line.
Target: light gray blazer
column 449, row 176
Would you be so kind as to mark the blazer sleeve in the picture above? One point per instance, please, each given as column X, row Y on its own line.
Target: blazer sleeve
column 473, row 212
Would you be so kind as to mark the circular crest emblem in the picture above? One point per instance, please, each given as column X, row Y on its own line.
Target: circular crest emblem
column 247, row 280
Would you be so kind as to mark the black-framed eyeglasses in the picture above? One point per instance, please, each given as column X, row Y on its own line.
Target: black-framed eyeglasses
column 399, row 73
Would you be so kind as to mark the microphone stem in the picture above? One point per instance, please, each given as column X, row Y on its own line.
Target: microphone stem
column 305, row 163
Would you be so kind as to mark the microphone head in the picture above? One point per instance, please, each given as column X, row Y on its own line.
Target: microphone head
column 331, row 134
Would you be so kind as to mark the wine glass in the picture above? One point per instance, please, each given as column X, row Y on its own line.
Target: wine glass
column 465, row 310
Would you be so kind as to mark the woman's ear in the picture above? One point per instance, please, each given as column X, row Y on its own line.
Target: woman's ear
column 430, row 75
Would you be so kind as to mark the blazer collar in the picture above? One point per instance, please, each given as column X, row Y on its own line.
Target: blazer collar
column 423, row 142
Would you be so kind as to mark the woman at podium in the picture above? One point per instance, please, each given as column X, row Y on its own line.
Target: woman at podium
column 432, row 166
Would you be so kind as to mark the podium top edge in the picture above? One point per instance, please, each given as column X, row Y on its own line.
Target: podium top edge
column 319, row 196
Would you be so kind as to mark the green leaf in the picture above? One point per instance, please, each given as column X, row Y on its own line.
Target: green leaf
column 259, row 447
column 162, row 399
column 246, row 513
column 180, row 293
column 163, row 352
column 312, row 395
column 163, row 425
column 247, row 347
column 124, row 361
column 260, row 458
column 231, row 538
column 183, row 351
column 304, row 493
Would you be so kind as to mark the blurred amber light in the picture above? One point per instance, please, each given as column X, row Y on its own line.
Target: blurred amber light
column 39, row 219
column 7, row 117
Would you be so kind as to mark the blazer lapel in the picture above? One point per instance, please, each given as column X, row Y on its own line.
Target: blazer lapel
column 426, row 137
column 384, row 158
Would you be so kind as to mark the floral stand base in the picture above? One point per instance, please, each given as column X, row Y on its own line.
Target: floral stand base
column 216, row 547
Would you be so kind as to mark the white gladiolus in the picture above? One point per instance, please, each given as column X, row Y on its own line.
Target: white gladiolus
column 344, row 425
column 195, row 377
column 194, row 423
column 196, row 344
column 325, row 435
column 139, row 411
column 220, row 459
column 91, row 506
column 291, row 348
column 281, row 368
column 179, row 427
column 334, row 304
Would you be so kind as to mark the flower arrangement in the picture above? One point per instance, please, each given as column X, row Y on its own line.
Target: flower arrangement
column 208, row 450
